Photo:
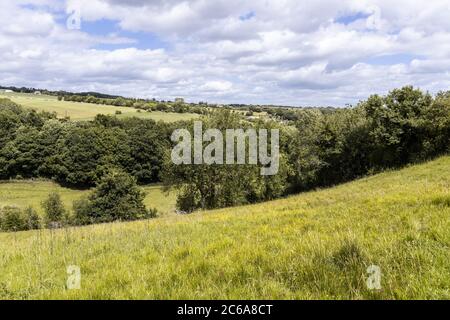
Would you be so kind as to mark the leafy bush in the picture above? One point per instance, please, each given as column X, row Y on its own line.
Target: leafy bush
column 32, row 219
column 54, row 209
column 82, row 210
column 12, row 219
column 116, row 197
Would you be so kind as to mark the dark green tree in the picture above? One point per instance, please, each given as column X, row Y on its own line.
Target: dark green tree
column 116, row 197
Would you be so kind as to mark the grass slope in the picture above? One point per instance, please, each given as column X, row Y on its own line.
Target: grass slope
column 314, row 245
column 32, row 193
column 87, row 111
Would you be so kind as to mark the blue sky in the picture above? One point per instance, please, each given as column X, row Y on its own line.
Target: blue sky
column 228, row 51
column 139, row 40
column 348, row 19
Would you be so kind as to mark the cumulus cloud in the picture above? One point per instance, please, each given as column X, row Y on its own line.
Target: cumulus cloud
column 276, row 51
column 217, row 86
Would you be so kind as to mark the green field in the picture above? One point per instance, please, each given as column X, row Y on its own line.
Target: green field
column 32, row 193
column 311, row 246
column 87, row 111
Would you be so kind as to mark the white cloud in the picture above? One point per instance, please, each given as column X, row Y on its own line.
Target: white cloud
column 218, row 86
column 286, row 51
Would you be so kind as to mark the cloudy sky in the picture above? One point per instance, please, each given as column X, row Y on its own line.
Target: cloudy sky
column 268, row 51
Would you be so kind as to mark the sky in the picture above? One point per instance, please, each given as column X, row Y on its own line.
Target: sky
column 285, row 52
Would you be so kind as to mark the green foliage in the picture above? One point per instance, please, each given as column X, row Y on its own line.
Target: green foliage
column 26, row 193
column 396, row 126
column 75, row 153
column 82, row 212
column 54, row 209
column 32, row 219
column 215, row 186
column 12, row 219
column 383, row 132
column 315, row 245
column 116, row 197
column 86, row 149
column 322, row 147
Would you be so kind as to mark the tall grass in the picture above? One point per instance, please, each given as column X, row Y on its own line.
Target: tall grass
column 316, row 245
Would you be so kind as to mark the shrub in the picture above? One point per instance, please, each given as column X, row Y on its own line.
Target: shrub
column 32, row 219
column 82, row 210
column 118, row 112
column 116, row 197
column 54, row 209
column 12, row 219
column 188, row 201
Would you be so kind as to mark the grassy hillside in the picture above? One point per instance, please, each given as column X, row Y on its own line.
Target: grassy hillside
column 87, row 111
column 314, row 245
column 32, row 193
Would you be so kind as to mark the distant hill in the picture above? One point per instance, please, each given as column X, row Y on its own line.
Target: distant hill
column 56, row 93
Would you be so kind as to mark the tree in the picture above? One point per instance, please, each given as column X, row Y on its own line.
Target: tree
column 148, row 142
column 86, row 149
column 54, row 209
column 396, row 125
column 437, row 126
column 22, row 153
column 116, row 197
column 209, row 186
column 82, row 212
column 9, row 120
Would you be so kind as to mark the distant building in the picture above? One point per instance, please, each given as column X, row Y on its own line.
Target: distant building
column 6, row 91
column 38, row 93
column 179, row 100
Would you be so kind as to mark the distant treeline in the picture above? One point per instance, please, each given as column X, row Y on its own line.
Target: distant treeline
column 317, row 149
column 281, row 113
column 57, row 93
column 141, row 104
column 286, row 113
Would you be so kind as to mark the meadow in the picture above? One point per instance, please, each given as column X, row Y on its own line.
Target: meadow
column 32, row 192
column 87, row 111
column 316, row 245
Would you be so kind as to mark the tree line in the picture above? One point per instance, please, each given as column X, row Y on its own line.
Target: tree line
column 319, row 148
column 140, row 104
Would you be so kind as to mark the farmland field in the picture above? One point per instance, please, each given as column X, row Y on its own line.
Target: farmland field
column 87, row 111
column 313, row 245
column 32, row 193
